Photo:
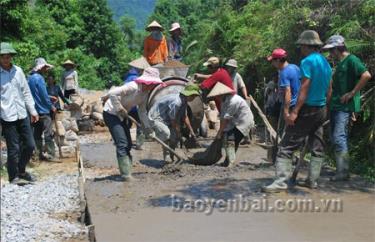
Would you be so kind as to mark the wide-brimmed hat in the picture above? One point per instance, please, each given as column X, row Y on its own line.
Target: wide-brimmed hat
column 277, row 54
column 190, row 90
column 309, row 37
column 175, row 26
column 154, row 24
column 68, row 62
column 140, row 63
column 232, row 63
column 212, row 61
column 220, row 89
column 150, row 76
column 334, row 41
column 40, row 63
column 7, row 48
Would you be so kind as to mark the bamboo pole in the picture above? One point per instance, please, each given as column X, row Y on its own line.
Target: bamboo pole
column 264, row 118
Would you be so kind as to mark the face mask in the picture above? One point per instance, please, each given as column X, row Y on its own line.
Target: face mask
column 157, row 35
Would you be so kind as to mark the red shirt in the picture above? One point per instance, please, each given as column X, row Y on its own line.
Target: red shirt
column 221, row 75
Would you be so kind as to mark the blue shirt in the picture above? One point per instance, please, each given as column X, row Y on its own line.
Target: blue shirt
column 290, row 76
column 38, row 89
column 316, row 68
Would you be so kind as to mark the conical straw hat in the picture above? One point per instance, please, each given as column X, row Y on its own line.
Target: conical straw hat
column 69, row 62
column 220, row 89
column 154, row 24
column 140, row 63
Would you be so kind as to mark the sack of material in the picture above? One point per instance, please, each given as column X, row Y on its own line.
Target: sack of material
column 60, row 128
column 71, row 136
column 210, row 156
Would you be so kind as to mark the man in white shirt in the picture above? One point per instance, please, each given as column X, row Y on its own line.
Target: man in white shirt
column 16, row 101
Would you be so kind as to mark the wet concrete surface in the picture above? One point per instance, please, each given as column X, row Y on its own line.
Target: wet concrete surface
column 148, row 209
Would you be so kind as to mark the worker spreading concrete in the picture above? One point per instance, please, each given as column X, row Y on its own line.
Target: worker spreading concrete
column 168, row 112
column 117, row 102
column 236, row 120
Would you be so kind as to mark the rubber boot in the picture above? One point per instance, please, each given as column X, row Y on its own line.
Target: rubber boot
column 39, row 150
column 125, row 166
column 230, row 153
column 139, row 141
column 342, row 167
column 51, row 152
column 283, row 172
column 314, row 173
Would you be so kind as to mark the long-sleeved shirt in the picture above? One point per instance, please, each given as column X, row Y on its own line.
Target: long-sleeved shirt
column 130, row 95
column 38, row 88
column 175, row 49
column 55, row 91
column 236, row 110
column 168, row 108
column 155, row 51
column 16, row 98
column 69, row 80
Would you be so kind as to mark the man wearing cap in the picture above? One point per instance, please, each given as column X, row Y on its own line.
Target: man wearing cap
column 349, row 78
column 137, row 67
column 238, row 83
column 236, row 120
column 308, row 115
column 167, row 114
column 69, row 79
column 155, row 48
column 216, row 74
column 289, row 80
column 16, row 101
column 116, row 103
column 175, row 43
column 44, row 107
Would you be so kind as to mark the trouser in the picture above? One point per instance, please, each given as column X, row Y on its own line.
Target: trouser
column 20, row 145
column 139, row 131
column 167, row 135
column 44, row 127
column 120, row 134
column 339, row 130
column 309, row 123
column 67, row 93
column 233, row 137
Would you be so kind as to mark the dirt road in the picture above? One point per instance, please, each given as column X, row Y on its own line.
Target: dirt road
column 148, row 209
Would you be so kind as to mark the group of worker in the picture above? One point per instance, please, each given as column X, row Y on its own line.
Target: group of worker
column 28, row 107
column 307, row 92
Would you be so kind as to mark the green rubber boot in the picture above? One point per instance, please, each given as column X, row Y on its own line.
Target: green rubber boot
column 342, row 167
column 51, row 152
column 125, row 166
column 230, row 152
column 283, row 172
column 140, row 141
column 314, row 173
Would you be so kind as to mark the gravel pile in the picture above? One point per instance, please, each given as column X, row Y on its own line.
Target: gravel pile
column 30, row 213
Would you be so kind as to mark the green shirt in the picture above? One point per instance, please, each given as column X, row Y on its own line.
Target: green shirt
column 347, row 74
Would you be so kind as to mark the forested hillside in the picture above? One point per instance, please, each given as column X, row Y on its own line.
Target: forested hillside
column 81, row 30
column 139, row 10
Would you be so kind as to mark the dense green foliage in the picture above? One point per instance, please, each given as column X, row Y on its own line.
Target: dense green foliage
column 137, row 9
column 81, row 30
column 249, row 30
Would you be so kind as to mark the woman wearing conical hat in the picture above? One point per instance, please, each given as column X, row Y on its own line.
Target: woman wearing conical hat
column 155, row 48
column 69, row 79
column 236, row 120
